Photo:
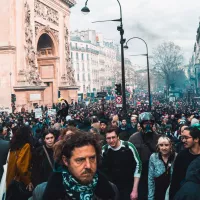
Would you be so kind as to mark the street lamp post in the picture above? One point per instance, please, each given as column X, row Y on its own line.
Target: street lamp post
column 86, row 10
column 147, row 55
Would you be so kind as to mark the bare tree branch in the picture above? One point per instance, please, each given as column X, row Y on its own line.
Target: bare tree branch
column 167, row 57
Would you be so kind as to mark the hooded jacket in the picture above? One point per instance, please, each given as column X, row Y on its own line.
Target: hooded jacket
column 191, row 187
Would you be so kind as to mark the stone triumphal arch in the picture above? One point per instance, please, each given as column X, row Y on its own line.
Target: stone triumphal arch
column 34, row 52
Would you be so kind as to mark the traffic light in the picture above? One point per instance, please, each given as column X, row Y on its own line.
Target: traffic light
column 13, row 98
column 118, row 89
column 58, row 93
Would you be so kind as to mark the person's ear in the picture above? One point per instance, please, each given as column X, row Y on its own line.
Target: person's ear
column 64, row 159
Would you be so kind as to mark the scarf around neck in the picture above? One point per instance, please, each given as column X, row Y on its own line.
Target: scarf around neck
column 75, row 190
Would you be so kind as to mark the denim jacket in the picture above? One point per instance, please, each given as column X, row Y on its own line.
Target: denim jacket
column 156, row 168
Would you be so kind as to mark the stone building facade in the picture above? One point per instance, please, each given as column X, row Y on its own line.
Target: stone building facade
column 96, row 62
column 194, row 65
column 35, row 52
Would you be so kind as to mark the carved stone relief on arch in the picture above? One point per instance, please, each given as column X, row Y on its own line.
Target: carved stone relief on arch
column 68, row 78
column 45, row 12
column 29, row 74
column 40, row 27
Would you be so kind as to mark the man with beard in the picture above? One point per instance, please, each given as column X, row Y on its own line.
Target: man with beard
column 133, row 127
column 145, row 142
column 191, row 140
column 77, row 177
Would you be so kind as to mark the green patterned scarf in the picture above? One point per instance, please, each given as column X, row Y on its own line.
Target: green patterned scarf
column 75, row 190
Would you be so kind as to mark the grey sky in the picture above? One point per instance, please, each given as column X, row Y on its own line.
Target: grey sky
column 153, row 20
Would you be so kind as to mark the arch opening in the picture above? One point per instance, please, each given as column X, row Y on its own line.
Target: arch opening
column 45, row 46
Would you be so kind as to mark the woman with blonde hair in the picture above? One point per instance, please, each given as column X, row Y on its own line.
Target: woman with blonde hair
column 161, row 166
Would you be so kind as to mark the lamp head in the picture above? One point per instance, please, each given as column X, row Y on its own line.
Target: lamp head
column 85, row 10
column 126, row 46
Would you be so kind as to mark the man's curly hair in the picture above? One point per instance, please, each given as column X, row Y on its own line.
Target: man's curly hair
column 74, row 140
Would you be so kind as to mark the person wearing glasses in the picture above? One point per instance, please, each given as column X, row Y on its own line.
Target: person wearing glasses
column 121, row 164
column 160, row 169
column 190, row 138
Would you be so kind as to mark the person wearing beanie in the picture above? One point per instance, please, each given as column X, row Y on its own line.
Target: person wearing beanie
column 103, row 126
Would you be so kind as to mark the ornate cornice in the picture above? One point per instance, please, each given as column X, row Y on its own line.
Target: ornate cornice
column 75, row 87
column 21, row 88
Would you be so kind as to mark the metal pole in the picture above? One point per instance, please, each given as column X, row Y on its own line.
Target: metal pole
column 122, row 41
column 149, row 86
column 12, row 103
column 123, row 71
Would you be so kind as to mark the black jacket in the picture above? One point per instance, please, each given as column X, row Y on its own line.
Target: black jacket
column 181, row 164
column 56, row 191
column 41, row 168
column 64, row 111
column 191, row 187
column 4, row 148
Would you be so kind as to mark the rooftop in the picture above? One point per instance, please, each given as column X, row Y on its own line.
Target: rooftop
column 71, row 3
column 78, row 39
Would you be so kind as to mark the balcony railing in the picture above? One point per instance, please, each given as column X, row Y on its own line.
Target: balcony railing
column 44, row 52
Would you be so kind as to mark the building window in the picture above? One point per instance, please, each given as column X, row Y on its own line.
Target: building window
column 76, row 56
column 83, row 67
column 71, row 55
column 83, row 77
column 87, row 56
column 77, row 66
column 82, row 56
column 77, row 77
column 86, row 46
column 88, row 77
column 76, row 46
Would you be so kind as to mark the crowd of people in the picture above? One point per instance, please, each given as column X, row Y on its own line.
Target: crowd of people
column 97, row 151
